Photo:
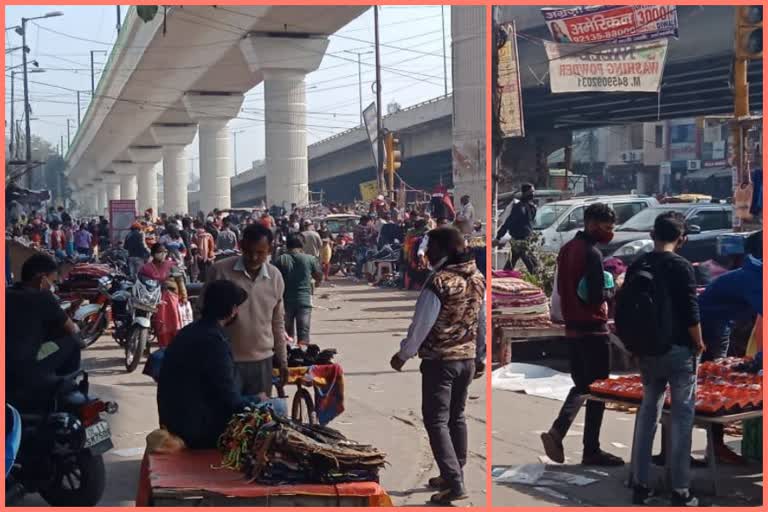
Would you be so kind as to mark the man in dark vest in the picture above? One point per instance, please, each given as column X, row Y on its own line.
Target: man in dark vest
column 448, row 333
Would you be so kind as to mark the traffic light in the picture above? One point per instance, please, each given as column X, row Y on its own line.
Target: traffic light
column 749, row 32
column 394, row 156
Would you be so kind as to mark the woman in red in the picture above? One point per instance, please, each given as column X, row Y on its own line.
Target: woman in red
column 167, row 319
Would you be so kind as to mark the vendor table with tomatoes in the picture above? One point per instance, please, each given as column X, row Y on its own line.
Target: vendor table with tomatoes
column 194, row 478
column 727, row 391
column 699, row 420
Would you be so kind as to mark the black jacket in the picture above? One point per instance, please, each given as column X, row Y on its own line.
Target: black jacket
column 197, row 392
column 135, row 245
column 519, row 224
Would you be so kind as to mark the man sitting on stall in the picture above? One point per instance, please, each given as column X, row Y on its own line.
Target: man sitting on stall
column 197, row 391
column 448, row 333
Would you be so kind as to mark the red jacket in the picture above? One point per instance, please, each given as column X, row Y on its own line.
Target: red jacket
column 579, row 259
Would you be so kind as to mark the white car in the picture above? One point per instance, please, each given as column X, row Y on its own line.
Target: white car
column 559, row 221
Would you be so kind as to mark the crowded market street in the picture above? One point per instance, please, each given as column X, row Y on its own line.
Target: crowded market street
column 365, row 324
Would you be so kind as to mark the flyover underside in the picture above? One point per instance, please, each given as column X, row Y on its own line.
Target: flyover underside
column 689, row 89
column 422, row 172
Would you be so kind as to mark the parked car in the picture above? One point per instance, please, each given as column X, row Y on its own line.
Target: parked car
column 559, row 221
column 705, row 223
column 339, row 222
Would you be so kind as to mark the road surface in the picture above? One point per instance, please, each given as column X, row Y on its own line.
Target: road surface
column 365, row 325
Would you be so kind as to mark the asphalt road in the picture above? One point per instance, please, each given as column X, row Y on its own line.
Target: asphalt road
column 365, row 325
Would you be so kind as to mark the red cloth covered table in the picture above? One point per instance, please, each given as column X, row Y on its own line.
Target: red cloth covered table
column 190, row 474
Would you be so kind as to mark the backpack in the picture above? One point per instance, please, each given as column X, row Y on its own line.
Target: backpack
column 644, row 317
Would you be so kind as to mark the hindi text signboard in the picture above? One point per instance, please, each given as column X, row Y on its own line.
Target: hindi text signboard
column 611, row 23
column 629, row 67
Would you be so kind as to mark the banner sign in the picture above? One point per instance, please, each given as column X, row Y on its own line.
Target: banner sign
column 369, row 190
column 372, row 128
column 511, row 95
column 122, row 213
column 619, row 24
column 630, row 67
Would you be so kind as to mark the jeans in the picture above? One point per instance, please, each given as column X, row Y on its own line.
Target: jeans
column 678, row 368
column 134, row 264
column 444, row 390
column 297, row 322
column 590, row 361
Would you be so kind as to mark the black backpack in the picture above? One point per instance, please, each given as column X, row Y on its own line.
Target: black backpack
column 644, row 317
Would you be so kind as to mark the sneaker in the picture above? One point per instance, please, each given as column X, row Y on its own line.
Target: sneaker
column 437, row 482
column 686, row 499
column 601, row 458
column 641, row 495
column 553, row 447
column 447, row 496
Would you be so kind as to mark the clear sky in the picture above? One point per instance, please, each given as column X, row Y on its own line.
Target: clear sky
column 412, row 35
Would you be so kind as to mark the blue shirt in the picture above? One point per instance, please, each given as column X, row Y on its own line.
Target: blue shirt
column 733, row 295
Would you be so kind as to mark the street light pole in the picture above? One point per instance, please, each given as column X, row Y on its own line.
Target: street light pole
column 78, row 110
column 235, row 133
column 379, row 125
column 69, row 138
column 13, row 122
column 360, row 79
column 93, row 72
column 445, row 55
column 27, row 126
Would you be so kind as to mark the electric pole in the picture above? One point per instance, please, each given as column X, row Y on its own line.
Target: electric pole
column 445, row 55
column 379, row 124
column 359, row 80
column 78, row 110
column 93, row 72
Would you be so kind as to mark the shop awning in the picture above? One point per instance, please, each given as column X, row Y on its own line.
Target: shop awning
column 714, row 172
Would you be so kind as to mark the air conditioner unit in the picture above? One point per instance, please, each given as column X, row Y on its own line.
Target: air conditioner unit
column 632, row 156
column 694, row 165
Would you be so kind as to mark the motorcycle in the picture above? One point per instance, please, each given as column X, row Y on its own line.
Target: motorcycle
column 63, row 438
column 145, row 297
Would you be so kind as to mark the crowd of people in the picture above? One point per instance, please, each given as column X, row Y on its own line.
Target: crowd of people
column 258, row 275
column 690, row 326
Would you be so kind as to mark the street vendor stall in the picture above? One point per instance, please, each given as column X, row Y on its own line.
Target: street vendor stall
column 727, row 392
column 263, row 459
column 189, row 479
column 520, row 312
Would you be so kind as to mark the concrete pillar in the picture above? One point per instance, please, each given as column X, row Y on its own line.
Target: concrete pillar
column 146, row 159
column 101, row 199
column 284, row 63
column 469, row 90
column 128, row 186
column 147, row 186
column 213, row 111
column 113, row 191
column 175, row 139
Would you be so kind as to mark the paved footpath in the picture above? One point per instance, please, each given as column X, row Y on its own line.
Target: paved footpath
column 365, row 325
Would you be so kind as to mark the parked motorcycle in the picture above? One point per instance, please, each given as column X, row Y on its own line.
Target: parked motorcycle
column 63, row 437
column 145, row 297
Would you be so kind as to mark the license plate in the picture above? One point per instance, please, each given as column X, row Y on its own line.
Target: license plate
column 97, row 433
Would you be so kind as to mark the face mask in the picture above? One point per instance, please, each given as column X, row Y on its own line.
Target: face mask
column 603, row 237
column 295, row 225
